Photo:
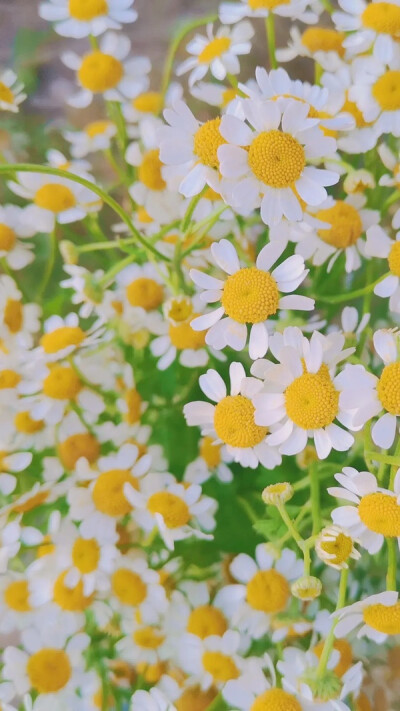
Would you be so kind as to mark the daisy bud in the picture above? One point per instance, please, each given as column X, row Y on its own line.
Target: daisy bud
column 334, row 547
column 178, row 309
column 325, row 687
column 69, row 252
column 307, row 588
column 358, row 181
column 277, row 494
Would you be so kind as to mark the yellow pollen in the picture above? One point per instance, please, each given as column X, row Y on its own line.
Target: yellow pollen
column 380, row 513
column 148, row 638
column 383, row 618
column 205, row 621
column 194, row 699
column 61, row 338
column 346, row 225
column 221, row 667
column 389, row 388
column 13, row 315
column 49, row 670
column 7, row 238
column 172, row 508
column 268, row 591
column 134, row 405
column 26, row 424
column 9, row 379
column 86, row 10
column 275, row 700
column 210, row 452
column 146, row 293
column 183, row 336
column 32, row 503
column 86, row 555
column 207, row 140
column 277, row 158
column 108, row 492
column 394, row 259
column 149, row 102
column 54, row 197
column 97, row 128
column 321, row 39
column 234, row 422
column 216, row 48
column 340, row 548
column 62, row 383
column 100, row 72
column 250, row 295
column 149, row 172
column 128, row 587
column 386, row 91
column 383, row 17
column 76, row 446
column 70, row 599
column 312, row 401
column 6, row 94
column 346, row 655
column 16, row 596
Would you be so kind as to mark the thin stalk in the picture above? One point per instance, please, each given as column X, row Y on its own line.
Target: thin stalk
column 392, row 564
column 328, row 646
column 350, row 294
column 49, row 266
column 315, row 499
column 270, row 30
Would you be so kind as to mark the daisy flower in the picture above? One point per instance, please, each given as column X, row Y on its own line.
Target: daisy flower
column 249, row 295
column 376, row 617
column 75, row 442
column 11, row 91
column 185, row 693
column 253, row 691
column 14, row 229
column 16, row 609
column 302, row 396
column 107, row 71
column 218, row 52
column 391, row 162
column 143, row 643
column 211, row 661
column 14, row 462
column 96, row 136
column 63, row 336
column 209, row 463
column 82, row 18
column 24, row 431
column 373, row 24
column 88, row 294
column 143, row 292
column 323, row 44
column 376, row 92
column 136, row 589
column 192, row 610
column 231, row 421
column 152, row 700
column 19, row 322
column 270, row 159
column 380, row 245
column 54, row 199
column 372, row 512
column 335, row 546
column 230, row 12
column 262, row 591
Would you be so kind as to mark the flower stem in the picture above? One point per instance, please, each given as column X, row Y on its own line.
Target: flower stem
column 50, row 265
column 270, row 29
column 350, row 294
column 392, row 563
column 315, row 499
column 290, row 526
column 327, row 6
column 328, row 646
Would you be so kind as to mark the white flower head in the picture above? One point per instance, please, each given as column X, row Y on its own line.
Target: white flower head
column 373, row 25
column 375, row 92
column 376, row 617
column 230, row 12
column 11, row 91
column 81, row 18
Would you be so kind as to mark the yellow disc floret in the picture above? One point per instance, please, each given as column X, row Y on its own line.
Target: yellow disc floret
column 234, row 422
column 49, row 670
column 13, row 315
column 100, row 72
column 62, row 338
column 338, row 549
column 268, row 591
column 383, row 17
column 128, row 587
column 386, row 91
column 133, row 402
column 389, row 388
column 346, row 225
column 82, row 444
column 172, row 508
column 16, row 596
column 216, row 48
column 26, row 424
column 221, row 667
column 148, row 638
column 380, row 513
column 206, row 620
column 86, row 555
column 146, row 293
column 97, row 128
column 108, row 492
column 183, row 336
column 62, row 383
column 277, row 158
column 7, row 238
column 86, row 10
column 394, row 259
column 312, row 400
column 322, row 39
column 54, row 197
column 70, row 599
column 9, row 379
column 210, row 452
column 207, row 140
column 250, row 295
column 382, row 618
column 150, row 102
column 149, row 172
column 275, row 700
column 6, row 94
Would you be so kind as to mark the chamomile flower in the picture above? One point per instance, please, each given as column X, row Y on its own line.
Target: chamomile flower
column 135, row 588
column 249, row 295
column 82, row 18
column 12, row 463
column 143, row 643
column 16, row 609
column 391, row 162
column 210, row 462
column 11, row 91
column 230, row 12
column 95, row 136
column 231, row 421
column 63, row 336
column 253, row 691
column 153, row 700
column 302, row 394
column 262, row 591
column 372, row 512
column 19, row 322
column 323, row 44
column 270, row 159
column 380, row 245
column 14, row 229
column 88, row 292
column 211, row 661
column 143, row 292
column 335, row 546
column 376, row 92
column 376, row 617
column 218, row 52
column 107, row 71
column 373, row 24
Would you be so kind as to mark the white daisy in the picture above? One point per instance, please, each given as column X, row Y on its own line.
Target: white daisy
column 211, row 661
column 230, row 12
column 335, row 546
column 211, row 462
column 376, row 617
column 376, row 92
column 14, row 229
column 231, row 421
column 380, row 245
column 19, row 322
column 373, row 24
column 136, row 589
column 16, row 609
column 143, row 644
column 82, row 18
column 323, row 44
column 142, row 291
column 85, row 285
column 11, row 91
column 96, row 136
column 63, row 336
column 391, row 162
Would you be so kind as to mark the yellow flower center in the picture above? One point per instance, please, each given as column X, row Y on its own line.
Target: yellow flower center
column 86, row 10
column 346, row 225
column 350, row 107
column 150, row 102
column 26, row 424
column 183, row 336
column 250, row 295
column 180, row 309
column 383, row 618
column 346, row 655
column 108, row 492
column 321, row 39
column 275, row 700
column 54, row 197
column 9, row 379
column 16, row 596
column 312, row 401
column 268, row 591
column 389, row 388
column 97, row 128
column 221, row 667
column 148, row 638
column 7, row 238
column 32, row 503
column 143, row 216
column 210, row 452
column 134, row 405
column 100, row 72
column 172, row 508
column 383, row 17
column 62, row 383
column 207, row 140
column 205, row 621
column 86, row 554
column 194, row 699
column 149, row 172
column 234, row 422
column 380, row 513
column 341, row 548
column 146, row 293
column 394, row 259
column 128, row 587
column 386, row 91
column 70, row 599
column 13, row 315
column 76, row 446
column 277, row 158
column 6, row 94
column 49, row 670
column 216, row 48
column 61, row 338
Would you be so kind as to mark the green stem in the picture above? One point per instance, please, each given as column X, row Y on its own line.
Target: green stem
column 116, row 168
column 394, row 197
column 328, row 646
column 291, row 527
column 187, row 218
column 110, row 274
column 350, row 294
column 270, row 29
column 50, row 265
column 315, row 499
column 327, row 6
column 392, row 564
column 211, row 220
column 254, row 518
